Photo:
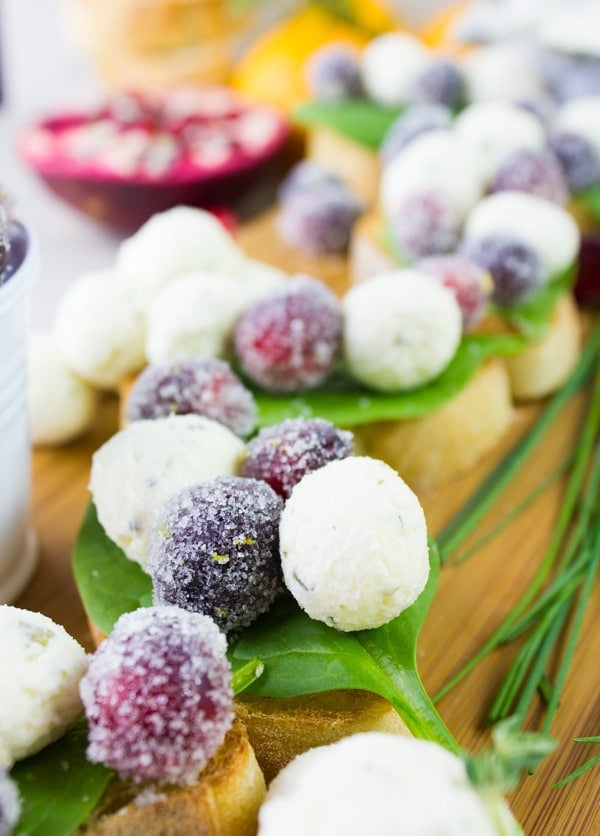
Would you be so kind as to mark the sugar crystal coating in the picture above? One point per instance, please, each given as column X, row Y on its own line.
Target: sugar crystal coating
column 578, row 159
column 290, row 341
column 441, row 81
column 283, row 453
column 306, row 175
column 158, row 695
column 205, row 386
column 10, row 806
column 534, row 171
column 426, row 223
column 515, row 267
column 320, row 219
column 215, row 550
column 471, row 284
column 333, row 73
column 417, row 119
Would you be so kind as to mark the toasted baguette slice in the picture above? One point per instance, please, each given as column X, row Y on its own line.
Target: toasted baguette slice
column 280, row 729
column 369, row 254
column 430, row 451
column 224, row 801
column 352, row 162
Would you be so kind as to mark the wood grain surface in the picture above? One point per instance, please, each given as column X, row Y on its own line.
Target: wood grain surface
column 471, row 600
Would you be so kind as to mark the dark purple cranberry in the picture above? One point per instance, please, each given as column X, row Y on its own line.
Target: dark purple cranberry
column 516, row 269
column 158, row 696
column 215, row 550
column 17, row 235
column 307, row 176
column 283, row 453
column 290, row 341
column 570, row 76
column 10, row 807
column 578, row 159
column 587, row 287
column 202, row 385
column 417, row 119
column 320, row 220
column 536, row 172
column 426, row 223
column 442, row 82
column 333, row 74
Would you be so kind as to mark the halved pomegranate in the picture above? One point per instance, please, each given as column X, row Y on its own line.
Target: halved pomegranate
column 139, row 154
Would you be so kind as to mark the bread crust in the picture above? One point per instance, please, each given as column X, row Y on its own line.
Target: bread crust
column 224, row 801
column 355, row 164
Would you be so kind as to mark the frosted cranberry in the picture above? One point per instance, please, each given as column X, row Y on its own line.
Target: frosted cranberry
column 306, row 176
column 333, row 74
column 471, row 284
column 516, row 269
column 158, row 696
column 215, row 550
column 532, row 171
column 205, row 386
column 416, row 120
column 283, row 453
column 578, row 159
column 319, row 220
column 10, row 807
column 290, row 341
column 441, row 81
column 426, row 223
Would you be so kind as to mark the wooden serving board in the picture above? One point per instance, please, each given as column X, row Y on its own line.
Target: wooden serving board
column 471, row 600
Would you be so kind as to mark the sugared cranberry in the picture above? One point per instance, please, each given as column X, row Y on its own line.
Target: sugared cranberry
column 306, row 175
column 516, row 269
column 471, row 284
column 441, row 81
column 578, row 159
column 426, row 223
column 333, row 73
column 158, row 696
column 587, row 287
column 283, row 453
column 290, row 341
column 10, row 807
column 533, row 171
column 319, row 220
column 205, row 386
column 416, row 120
column 215, row 550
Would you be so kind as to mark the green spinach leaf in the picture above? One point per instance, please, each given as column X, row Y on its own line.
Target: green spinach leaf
column 591, row 199
column 359, row 119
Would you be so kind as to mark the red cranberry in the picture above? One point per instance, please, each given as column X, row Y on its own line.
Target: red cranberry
column 426, row 223
column 471, row 284
column 158, row 695
column 290, row 341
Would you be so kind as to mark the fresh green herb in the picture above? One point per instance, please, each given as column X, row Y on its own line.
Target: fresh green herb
column 246, row 674
column 591, row 199
column 583, row 768
column 358, row 119
column 347, row 404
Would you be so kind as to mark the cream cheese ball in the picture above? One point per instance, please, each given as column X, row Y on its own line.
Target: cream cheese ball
column 61, row 405
column 390, row 64
column 142, row 466
column 353, row 544
column 437, row 160
column 545, row 227
column 492, row 130
column 501, row 72
column 193, row 316
column 99, row 330
column 39, row 688
column 582, row 116
column 401, row 330
column 171, row 243
column 375, row 783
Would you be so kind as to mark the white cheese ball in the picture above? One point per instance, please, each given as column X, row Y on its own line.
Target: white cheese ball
column 41, row 667
column 493, row 130
column 437, row 160
column 61, row 405
column 99, row 330
column 375, row 783
column 142, row 466
column 353, row 544
column 545, row 227
column 501, row 72
column 582, row 116
column 193, row 317
column 390, row 64
column 570, row 27
column 180, row 240
column 401, row 329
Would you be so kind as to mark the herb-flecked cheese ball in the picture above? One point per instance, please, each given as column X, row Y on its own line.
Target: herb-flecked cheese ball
column 353, row 544
column 375, row 783
column 41, row 667
column 140, row 467
column 401, row 330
